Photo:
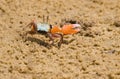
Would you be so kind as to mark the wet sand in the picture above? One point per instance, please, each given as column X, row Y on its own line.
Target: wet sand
column 94, row 53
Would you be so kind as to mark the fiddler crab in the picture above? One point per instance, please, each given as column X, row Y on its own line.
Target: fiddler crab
column 53, row 31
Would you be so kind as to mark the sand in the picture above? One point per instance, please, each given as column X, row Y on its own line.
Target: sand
column 94, row 53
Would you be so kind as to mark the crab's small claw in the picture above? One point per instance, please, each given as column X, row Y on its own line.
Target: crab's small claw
column 70, row 29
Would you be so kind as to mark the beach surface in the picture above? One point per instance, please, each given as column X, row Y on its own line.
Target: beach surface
column 93, row 53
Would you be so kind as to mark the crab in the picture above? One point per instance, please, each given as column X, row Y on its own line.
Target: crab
column 53, row 31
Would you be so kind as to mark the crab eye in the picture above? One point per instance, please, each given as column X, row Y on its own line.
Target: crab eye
column 50, row 26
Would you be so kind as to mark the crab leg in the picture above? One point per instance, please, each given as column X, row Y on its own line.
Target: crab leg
column 51, row 39
column 56, row 35
column 61, row 40
column 33, row 26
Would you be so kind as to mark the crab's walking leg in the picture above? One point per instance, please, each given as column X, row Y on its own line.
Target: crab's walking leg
column 56, row 35
column 33, row 26
column 61, row 40
column 51, row 38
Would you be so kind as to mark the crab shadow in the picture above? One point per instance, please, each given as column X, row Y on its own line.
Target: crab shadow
column 66, row 42
column 45, row 44
column 38, row 41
